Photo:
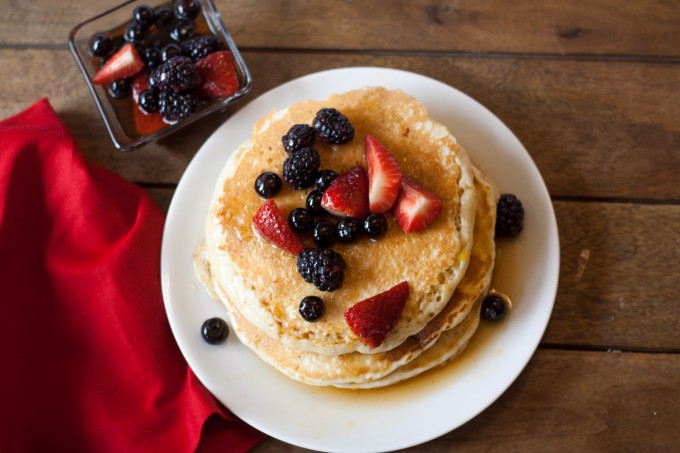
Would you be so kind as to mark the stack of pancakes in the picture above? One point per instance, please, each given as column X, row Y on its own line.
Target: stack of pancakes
column 448, row 265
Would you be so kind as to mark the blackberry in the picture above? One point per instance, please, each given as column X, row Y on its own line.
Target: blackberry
column 313, row 202
column 183, row 30
column 324, row 233
column 324, row 179
column 298, row 137
column 148, row 101
column 509, row 216
column 301, row 220
column 177, row 74
column 322, row 267
column 100, row 45
column 199, row 47
column 215, row 330
column 143, row 15
column 375, row 226
column 120, row 88
column 176, row 106
column 494, row 307
column 300, row 168
column 332, row 126
column 312, row 308
column 348, row 229
column 268, row 184
column 187, row 9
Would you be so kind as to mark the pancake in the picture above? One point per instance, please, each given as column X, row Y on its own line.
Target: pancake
column 442, row 339
column 262, row 282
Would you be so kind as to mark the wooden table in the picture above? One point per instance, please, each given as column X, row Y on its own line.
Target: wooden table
column 591, row 88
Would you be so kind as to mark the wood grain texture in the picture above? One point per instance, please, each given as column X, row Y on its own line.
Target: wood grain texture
column 575, row 27
column 579, row 120
column 571, row 401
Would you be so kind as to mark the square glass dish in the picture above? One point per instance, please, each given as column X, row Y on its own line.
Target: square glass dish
column 120, row 117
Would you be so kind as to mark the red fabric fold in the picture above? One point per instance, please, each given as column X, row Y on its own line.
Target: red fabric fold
column 89, row 360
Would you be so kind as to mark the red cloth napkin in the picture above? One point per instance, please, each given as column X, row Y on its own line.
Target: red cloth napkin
column 89, row 361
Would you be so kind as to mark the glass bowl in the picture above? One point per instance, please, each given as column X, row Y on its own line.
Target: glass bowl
column 118, row 113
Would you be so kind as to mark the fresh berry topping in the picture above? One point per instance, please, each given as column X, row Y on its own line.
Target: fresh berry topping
column 374, row 318
column 273, row 228
column 187, row 9
column 268, row 184
column 375, row 226
column 347, row 196
column 123, row 64
column 313, row 202
column 299, row 136
column 494, row 307
column 145, row 123
column 183, row 30
column 509, row 216
column 151, row 57
column 120, row 88
column 215, row 330
column 322, row 267
column 301, row 220
column 348, row 229
column 324, row 179
column 300, row 168
column 199, row 47
column 384, row 176
column 169, row 51
column 135, row 33
column 312, row 308
column 148, row 101
column 177, row 74
column 324, row 233
column 217, row 76
column 143, row 16
column 100, row 45
column 177, row 106
column 164, row 17
column 416, row 207
column 332, row 126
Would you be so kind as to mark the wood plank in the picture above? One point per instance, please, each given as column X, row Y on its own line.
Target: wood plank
column 576, row 27
column 571, row 401
column 613, row 128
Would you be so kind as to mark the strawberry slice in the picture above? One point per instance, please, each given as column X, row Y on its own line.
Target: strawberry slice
column 416, row 207
column 145, row 123
column 347, row 196
column 374, row 318
column 384, row 176
column 123, row 64
column 217, row 76
column 272, row 226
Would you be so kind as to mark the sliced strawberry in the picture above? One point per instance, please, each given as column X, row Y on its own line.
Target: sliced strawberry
column 384, row 176
column 217, row 76
column 273, row 228
column 374, row 318
column 416, row 207
column 145, row 123
column 123, row 64
column 347, row 196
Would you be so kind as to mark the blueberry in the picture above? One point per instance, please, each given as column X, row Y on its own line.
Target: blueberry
column 135, row 33
column 324, row 179
column 144, row 16
column 187, row 9
column 151, row 57
column 148, row 101
column 215, row 330
column 314, row 202
column 494, row 307
column 164, row 16
column 268, row 184
column 183, row 30
column 120, row 88
column 100, row 45
column 301, row 220
column 324, row 233
column 312, row 308
column 348, row 229
column 169, row 51
column 375, row 226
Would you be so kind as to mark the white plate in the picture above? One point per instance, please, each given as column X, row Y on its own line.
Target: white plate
column 410, row 413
